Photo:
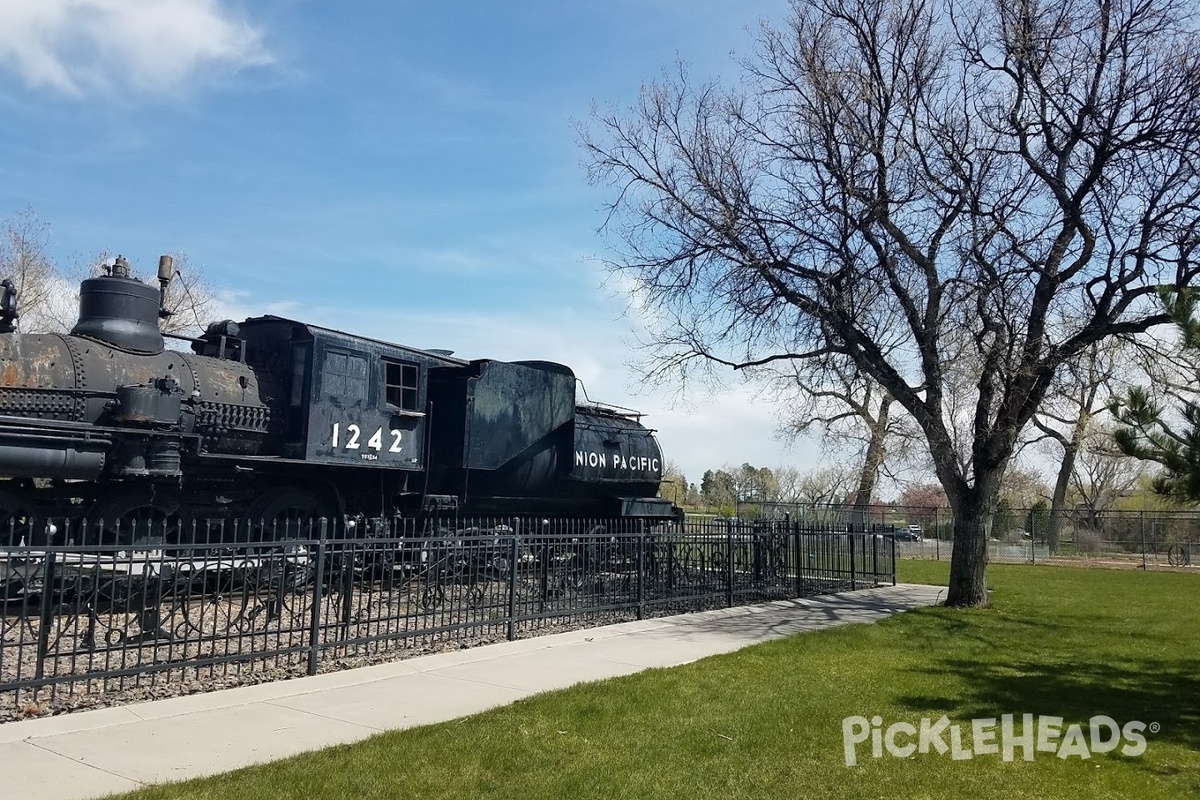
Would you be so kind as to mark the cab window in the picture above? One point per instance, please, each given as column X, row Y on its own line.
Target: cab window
column 400, row 382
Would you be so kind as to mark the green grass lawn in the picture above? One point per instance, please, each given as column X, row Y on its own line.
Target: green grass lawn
column 766, row 722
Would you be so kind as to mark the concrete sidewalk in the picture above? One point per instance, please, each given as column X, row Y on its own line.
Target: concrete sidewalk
column 94, row 753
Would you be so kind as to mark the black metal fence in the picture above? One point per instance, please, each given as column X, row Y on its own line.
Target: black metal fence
column 99, row 613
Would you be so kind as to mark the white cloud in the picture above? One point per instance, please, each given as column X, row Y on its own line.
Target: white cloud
column 728, row 427
column 236, row 305
column 81, row 46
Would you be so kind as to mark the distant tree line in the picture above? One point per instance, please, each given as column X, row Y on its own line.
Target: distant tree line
column 1121, row 484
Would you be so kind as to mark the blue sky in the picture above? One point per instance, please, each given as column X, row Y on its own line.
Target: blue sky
column 404, row 170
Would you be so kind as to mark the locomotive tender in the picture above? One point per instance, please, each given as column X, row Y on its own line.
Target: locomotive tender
column 272, row 419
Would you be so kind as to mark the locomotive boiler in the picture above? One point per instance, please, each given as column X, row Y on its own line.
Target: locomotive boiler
column 272, row 418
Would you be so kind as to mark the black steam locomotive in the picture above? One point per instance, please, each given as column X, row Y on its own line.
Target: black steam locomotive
column 273, row 419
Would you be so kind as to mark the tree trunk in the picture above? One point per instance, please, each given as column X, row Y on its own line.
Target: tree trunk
column 973, row 510
column 1058, row 502
column 869, row 476
column 968, row 564
column 876, row 450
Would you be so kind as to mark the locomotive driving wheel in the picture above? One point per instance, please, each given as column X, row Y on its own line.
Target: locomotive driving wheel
column 287, row 513
column 20, row 524
column 138, row 517
column 19, row 519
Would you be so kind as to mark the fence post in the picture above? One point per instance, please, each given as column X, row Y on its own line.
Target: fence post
column 853, row 577
column 346, row 566
column 44, row 625
column 512, row 588
column 671, row 569
column 1143, row 516
column 314, row 623
column 1032, row 540
column 729, row 567
column 937, row 536
column 893, row 559
column 799, row 554
column 641, row 573
column 874, row 564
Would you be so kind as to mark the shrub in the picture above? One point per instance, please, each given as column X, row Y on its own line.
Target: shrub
column 1088, row 541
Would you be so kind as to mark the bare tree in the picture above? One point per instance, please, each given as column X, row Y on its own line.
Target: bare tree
column 1068, row 416
column 44, row 296
column 674, row 486
column 1023, row 487
column 48, row 293
column 191, row 298
column 788, row 478
column 1076, row 418
column 1102, row 474
column 826, row 485
column 905, row 184
column 851, row 411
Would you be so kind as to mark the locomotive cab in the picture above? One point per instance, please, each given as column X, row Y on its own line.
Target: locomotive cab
column 350, row 401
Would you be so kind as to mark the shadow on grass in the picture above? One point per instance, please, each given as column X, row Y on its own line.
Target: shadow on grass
column 810, row 613
column 980, row 626
column 1148, row 690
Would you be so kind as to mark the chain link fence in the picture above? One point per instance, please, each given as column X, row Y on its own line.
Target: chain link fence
column 1133, row 539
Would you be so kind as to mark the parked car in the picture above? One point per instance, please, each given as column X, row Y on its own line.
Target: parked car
column 913, row 533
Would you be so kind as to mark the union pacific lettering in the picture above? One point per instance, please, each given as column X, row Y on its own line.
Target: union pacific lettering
column 589, row 458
